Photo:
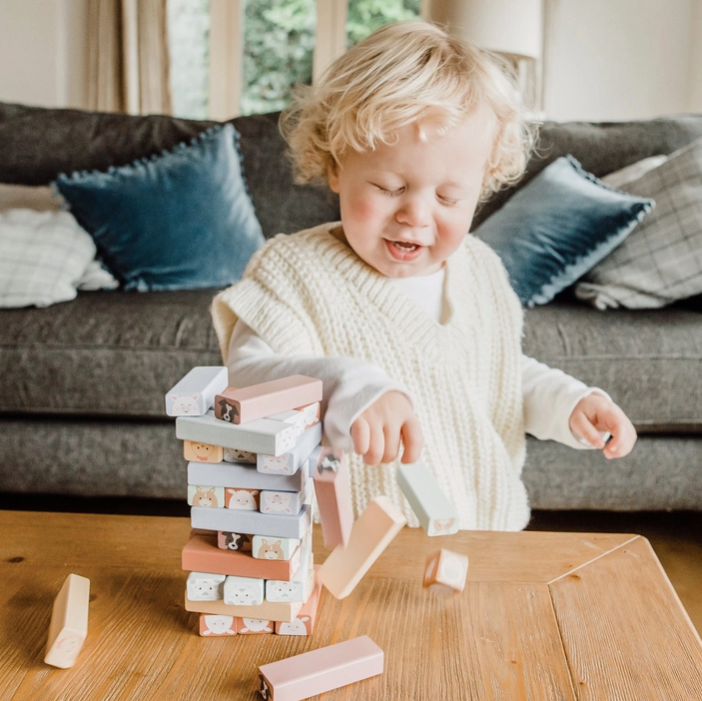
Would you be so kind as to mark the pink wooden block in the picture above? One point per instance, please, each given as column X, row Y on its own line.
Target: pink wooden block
column 332, row 483
column 305, row 620
column 258, row 401
column 315, row 672
column 255, row 626
column 212, row 625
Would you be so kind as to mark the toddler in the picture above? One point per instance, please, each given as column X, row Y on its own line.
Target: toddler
column 409, row 321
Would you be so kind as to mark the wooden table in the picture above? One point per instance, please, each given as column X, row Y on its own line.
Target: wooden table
column 550, row 616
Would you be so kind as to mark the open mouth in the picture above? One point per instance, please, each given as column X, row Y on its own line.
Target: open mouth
column 404, row 250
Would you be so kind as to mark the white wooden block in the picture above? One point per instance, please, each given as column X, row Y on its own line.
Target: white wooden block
column 272, row 548
column 205, row 586
column 281, row 502
column 243, row 591
column 297, row 589
column 291, row 461
column 239, row 521
column 236, row 455
column 194, row 394
column 69, row 622
column 238, row 476
column 212, row 497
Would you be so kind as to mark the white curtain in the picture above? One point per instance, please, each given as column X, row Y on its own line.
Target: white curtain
column 128, row 56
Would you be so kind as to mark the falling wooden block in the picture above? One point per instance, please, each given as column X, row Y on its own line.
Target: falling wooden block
column 217, row 626
column 236, row 455
column 268, row 610
column 244, row 477
column 69, row 622
column 432, row 507
column 371, row 534
column 260, row 436
column 194, row 395
column 289, row 463
column 204, row 586
column 250, row 403
column 270, row 548
column 255, row 626
column 209, row 497
column 244, row 499
column 243, row 591
column 445, row 572
column 227, row 540
column 202, row 452
column 251, row 521
column 332, row 484
column 305, row 620
column 311, row 673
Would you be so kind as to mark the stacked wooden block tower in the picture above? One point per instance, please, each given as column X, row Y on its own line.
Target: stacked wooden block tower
column 251, row 453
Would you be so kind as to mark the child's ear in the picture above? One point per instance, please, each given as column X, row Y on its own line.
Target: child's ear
column 333, row 176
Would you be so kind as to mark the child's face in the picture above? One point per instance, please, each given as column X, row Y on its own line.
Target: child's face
column 406, row 208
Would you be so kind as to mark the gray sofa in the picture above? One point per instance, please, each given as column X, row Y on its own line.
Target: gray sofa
column 82, row 383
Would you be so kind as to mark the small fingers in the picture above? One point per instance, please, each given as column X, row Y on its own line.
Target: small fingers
column 623, row 440
column 360, row 434
column 582, row 427
column 412, row 440
column 391, row 437
column 376, row 446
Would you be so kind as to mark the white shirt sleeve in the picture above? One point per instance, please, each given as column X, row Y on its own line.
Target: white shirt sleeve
column 550, row 396
column 350, row 385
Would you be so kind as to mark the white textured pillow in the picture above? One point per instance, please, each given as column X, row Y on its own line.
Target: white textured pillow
column 44, row 256
column 632, row 172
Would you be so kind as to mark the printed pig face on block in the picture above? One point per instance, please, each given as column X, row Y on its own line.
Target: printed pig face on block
column 233, row 541
column 446, row 572
column 217, row 625
column 236, row 455
column 255, row 626
column 243, row 499
column 272, row 465
column 300, row 626
column 243, row 591
column 212, row 497
column 203, row 586
column 202, row 452
column 280, row 502
column 185, row 406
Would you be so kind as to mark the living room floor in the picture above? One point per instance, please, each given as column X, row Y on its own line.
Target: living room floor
column 676, row 537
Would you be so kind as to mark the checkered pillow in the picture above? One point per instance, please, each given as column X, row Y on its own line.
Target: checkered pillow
column 661, row 261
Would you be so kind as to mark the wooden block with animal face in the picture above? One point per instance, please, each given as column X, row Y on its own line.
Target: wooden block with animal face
column 69, row 622
column 281, row 502
column 212, row 497
column 217, row 626
column 312, row 413
column 243, row 591
column 255, row 626
column 202, row 452
column 195, row 393
column 205, row 586
column 236, row 455
column 290, row 462
column 226, row 540
column 243, row 499
column 445, row 572
column 224, row 408
column 332, row 484
column 305, row 620
column 270, row 548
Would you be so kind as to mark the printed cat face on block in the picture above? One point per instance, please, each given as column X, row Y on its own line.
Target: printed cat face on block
column 185, row 406
column 276, row 502
column 297, row 627
column 217, row 625
column 275, row 465
column 244, row 499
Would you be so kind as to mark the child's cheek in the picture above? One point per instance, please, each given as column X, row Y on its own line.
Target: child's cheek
column 365, row 210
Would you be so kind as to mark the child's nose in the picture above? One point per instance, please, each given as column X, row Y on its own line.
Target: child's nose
column 414, row 212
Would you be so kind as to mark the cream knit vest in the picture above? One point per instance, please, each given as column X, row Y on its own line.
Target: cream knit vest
column 309, row 294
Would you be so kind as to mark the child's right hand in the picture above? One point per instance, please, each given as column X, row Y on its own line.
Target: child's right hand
column 377, row 432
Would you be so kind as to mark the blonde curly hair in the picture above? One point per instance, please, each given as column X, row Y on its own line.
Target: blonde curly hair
column 405, row 73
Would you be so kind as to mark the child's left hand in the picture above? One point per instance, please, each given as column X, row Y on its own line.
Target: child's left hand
column 597, row 413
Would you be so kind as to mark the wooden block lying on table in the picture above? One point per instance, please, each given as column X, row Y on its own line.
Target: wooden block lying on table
column 243, row 499
column 332, row 484
column 272, row 548
column 215, row 626
column 305, row 620
column 244, row 477
column 251, row 521
column 202, row 452
column 250, row 403
column 290, row 462
column 267, row 611
column 371, row 534
column 435, row 512
column 260, row 436
column 202, row 555
column 311, row 673
column 227, row 540
column 210, row 497
column 195, row 393
column 204, row 586
column 243, row 591
column 69, row 622
column 445, row 572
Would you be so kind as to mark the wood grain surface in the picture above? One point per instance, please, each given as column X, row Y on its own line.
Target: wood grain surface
column 552, row 616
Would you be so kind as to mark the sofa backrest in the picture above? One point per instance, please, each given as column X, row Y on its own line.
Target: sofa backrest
column 36, row 144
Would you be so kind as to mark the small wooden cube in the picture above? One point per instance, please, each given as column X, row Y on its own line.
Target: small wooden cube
column 445, row 572
column 227, row 540
column 243, row 499
column 243, row 591
column 213, row 625
column 69, row 622
column 270, row 548
column 202, row 452
column 255, row 626
column 212, row 497
column 236, row 455
column 205, row 586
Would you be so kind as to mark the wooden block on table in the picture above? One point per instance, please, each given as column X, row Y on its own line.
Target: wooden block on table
column 243, row 591
column 69, row 622
column 236, row 455
column 209, row 497
column 445, row 572
column 227, row 540
column 251, row 521
column 243, row 499
column 255, row 626
column 240, row 476
column 290, row 462
column 305, row 620
column 250, row 403
column 194, row 395
column 217, row 626
column 267, row 611
column 204, row 586
column 202, row 555
column 311, row 673
column 274, row 548
column 260, row 436
column 435, row 512
column 371, row 534
column 202, row 452
column 332, row 484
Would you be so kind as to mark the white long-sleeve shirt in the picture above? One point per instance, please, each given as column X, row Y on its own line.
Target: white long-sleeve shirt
column 351, row 385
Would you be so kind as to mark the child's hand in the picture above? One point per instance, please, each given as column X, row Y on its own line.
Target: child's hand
column 377, row 432
column 597, row 413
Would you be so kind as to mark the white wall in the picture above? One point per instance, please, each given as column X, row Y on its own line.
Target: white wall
column 695, row 86
column 43, row 46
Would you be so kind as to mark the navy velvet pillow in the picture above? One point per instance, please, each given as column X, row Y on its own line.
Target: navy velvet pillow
column 559, row 226
column 182, row 220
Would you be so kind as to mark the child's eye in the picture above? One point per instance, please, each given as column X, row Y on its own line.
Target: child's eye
column 386, row 191
column 448, row 201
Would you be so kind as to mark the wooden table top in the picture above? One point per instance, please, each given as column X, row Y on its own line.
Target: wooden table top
column 552, row 616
